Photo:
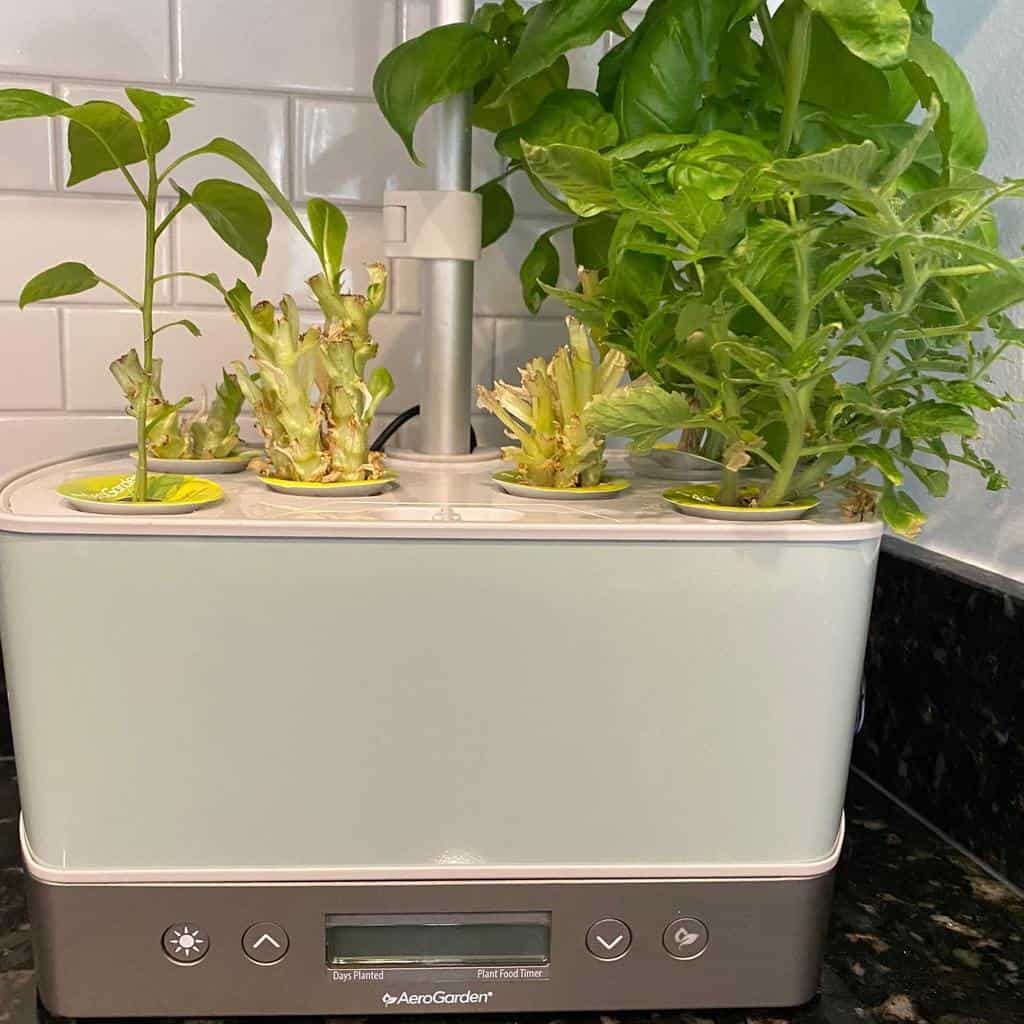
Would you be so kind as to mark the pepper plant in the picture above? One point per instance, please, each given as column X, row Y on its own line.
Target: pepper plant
column 104, row 136
column 798, row 266
column 556, row 448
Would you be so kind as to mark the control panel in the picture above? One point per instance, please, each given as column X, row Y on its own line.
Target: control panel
column 410, row 947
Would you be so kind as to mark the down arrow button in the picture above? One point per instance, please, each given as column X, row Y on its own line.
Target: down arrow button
column 609, row 939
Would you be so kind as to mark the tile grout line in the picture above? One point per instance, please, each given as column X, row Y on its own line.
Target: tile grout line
column 173, row 41
column 944, row 836
column 62, row 357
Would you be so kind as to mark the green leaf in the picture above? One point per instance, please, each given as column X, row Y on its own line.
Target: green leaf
column 542, row 266
column 238, row 214
column 960, row 129
column 965, row 392
column 877, row 31
column 496, row 111
column 879, row 457
column 243, row 158
column 591, row 240
column 433, row 67
column 63, row 279
column 329, row 230
column 636, row 278
column 581, row 175
column 499, row 211
column 933, row 419
column 904, row 160
column 569, row 116
column 936, row 481
column 746, row 10
column 103, row 136
column 993, row 293
column 833, row 172
column 901, row 512
column 718, row 164
column 557, row 26
column 17, row 103
column 669, row 58
column 156, row 107
column 189, row 326
column 643, row 414
column 840, row 82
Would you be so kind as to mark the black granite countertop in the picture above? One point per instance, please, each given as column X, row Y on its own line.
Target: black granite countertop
column 920, row 934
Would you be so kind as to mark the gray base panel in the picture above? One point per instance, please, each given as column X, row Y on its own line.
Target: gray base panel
column 99, row 949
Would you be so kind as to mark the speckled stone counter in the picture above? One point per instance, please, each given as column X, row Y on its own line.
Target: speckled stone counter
column 920, row 934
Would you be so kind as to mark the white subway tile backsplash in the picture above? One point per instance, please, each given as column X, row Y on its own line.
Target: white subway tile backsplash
column 518, row 341
column 107, row 39
column 290, row 261
column 498, row 288
column 40, row 231
column 192, row 366
column 345, row 149
column 30, row 353
column 28, row 438
column 258, row 123
column 26, row 158
column 326, row 45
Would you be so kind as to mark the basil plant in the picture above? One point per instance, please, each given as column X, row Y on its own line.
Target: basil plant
column 782, row 221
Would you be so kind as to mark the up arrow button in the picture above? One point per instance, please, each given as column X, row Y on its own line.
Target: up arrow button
column 265, row 943
column 609, row 939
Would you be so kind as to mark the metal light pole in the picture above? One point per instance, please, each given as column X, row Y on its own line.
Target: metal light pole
column 448, row 284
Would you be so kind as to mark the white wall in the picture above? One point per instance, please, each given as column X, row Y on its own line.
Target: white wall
column 987, row 36
column 292, row 83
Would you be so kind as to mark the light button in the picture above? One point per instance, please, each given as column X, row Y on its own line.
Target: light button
column 609, row 939
column 186, row 943
column 686, row 938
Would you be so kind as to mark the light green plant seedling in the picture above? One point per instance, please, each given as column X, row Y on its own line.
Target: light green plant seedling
column 103, row 136
column 545, row 413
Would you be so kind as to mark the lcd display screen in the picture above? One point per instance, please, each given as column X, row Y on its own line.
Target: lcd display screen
column 439, row 940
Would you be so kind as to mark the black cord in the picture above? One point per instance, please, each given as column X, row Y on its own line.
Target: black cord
column 400, row 421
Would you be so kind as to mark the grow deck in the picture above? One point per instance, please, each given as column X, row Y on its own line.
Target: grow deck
column 432, row 501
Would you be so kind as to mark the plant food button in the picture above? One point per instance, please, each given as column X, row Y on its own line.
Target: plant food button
column 686, row 938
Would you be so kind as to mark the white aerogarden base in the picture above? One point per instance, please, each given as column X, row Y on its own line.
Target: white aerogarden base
column 444, row 746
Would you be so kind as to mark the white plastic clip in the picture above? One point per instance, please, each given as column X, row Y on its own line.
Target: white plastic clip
column 433, row 225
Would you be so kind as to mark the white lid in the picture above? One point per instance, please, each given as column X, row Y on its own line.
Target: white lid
column 438, row 502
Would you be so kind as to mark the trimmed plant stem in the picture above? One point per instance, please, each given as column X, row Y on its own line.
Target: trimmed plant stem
column 142, row 468
column 796, row 425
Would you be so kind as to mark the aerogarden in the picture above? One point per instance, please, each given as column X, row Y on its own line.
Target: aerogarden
column 788, row 300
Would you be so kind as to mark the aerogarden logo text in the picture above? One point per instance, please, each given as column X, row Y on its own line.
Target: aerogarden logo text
column 438, row 998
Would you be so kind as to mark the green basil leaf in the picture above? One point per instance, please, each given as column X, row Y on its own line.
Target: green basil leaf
column 960, row 130
column 933, row 419
column 840, row 82
column 238, row 214
column 329, row 230
column 877, row 31
column 103, row 136
column 433, row 67
column 63, row 279
column 496, row 112
column 746, row 10
column 17, row 103
column 557, row 26
column 609, row 71
column 591, row 240
column 636, row 278
column 670, row 57
column 569, row 116
column 901, row 512
column 499, row 211
column 581, row 175
column 879, row 457
column 542, row 266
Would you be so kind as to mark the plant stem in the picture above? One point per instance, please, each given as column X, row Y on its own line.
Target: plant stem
column 142, row 471
column 796, row 425
column 796, row 76
column 764, row 19
column 729, row 488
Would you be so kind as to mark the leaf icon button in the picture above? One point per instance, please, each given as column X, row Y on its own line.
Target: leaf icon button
column 686, row 938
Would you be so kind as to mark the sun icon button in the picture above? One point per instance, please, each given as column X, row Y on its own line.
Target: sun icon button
column 185, row 943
